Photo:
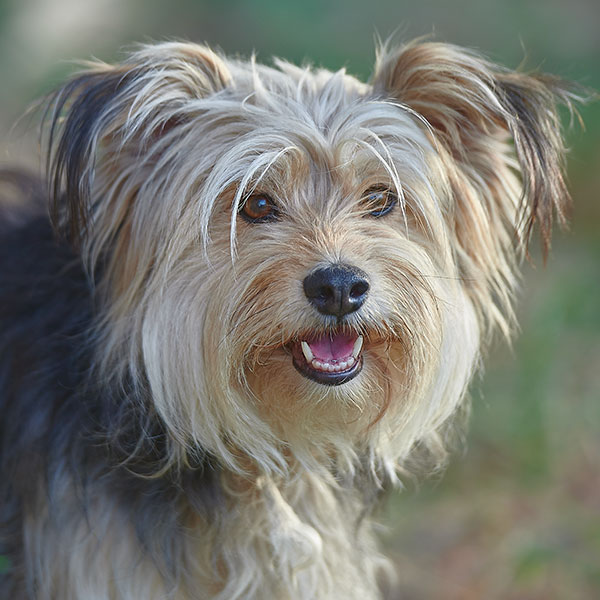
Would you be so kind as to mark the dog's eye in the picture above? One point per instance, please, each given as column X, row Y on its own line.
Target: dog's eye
column 379, row 201
column 259, row 208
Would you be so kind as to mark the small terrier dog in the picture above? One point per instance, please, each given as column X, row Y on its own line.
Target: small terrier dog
column 269, row 290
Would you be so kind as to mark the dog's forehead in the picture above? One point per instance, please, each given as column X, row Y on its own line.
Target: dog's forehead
column 291, row 98
column 305, row 85
column 328, row 120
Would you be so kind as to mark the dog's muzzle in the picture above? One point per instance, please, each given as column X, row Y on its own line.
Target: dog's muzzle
column 334, row 357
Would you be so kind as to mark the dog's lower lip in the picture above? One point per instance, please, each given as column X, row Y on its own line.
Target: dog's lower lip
column 319, row 376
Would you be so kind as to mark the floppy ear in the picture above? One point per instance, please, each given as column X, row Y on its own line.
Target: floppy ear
column 106, row 107
column 469, row 104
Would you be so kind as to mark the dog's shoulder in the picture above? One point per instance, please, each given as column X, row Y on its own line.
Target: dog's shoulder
column 43, row 286
column 45, row 310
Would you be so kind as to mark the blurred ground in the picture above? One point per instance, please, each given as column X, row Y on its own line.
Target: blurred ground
column 517, row 516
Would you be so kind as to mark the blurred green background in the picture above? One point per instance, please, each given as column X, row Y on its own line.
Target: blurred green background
column 517, row 514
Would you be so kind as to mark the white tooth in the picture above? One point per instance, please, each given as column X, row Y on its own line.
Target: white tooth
column 357, row 346
column 330, row 368
column 308, row 355
column 351, row 361
column 344, row 365
column 317, row 364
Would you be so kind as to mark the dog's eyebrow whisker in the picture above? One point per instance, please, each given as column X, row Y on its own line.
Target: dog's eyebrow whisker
column 251, row 182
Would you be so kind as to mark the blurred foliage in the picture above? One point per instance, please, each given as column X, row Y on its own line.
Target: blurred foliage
column 517, row 514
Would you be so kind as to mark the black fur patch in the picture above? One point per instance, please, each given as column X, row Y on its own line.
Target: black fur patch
column 54, row 417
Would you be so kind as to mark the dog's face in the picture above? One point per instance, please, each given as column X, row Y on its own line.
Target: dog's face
column 293, row 260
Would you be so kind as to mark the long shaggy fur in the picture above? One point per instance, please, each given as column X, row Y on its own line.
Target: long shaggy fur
column 156, row 440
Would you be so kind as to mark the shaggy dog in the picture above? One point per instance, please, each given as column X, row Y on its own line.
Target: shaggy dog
column 259, row 298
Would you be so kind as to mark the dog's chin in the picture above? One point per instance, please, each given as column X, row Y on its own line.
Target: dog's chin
column 329, row 359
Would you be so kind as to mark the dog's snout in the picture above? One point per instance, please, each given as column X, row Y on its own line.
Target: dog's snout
column 336, row 290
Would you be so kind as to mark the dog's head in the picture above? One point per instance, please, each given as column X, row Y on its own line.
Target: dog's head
column 295, row 261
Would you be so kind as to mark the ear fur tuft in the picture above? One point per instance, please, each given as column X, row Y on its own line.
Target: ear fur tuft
column 140, row 99
column 469, row 102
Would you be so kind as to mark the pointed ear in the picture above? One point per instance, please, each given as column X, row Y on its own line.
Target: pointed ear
column 471, row 105
column 134, row 102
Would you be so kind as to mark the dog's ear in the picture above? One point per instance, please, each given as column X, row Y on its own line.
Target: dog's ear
column 139, row 100
column 474, row 109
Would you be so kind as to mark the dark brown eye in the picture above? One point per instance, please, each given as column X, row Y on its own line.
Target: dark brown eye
column 259, row 208
column 379, row 201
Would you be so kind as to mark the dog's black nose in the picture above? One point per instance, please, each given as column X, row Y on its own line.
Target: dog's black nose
column 336, row 290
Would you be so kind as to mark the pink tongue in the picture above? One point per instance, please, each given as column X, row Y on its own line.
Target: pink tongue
column 332, row 347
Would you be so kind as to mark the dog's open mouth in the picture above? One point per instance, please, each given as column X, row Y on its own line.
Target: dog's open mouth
column 330, row 359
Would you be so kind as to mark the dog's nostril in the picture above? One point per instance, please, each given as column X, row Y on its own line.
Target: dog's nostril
column 360, row 288
column 336, row 290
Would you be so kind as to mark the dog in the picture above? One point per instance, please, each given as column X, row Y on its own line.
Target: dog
column 243, row 301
